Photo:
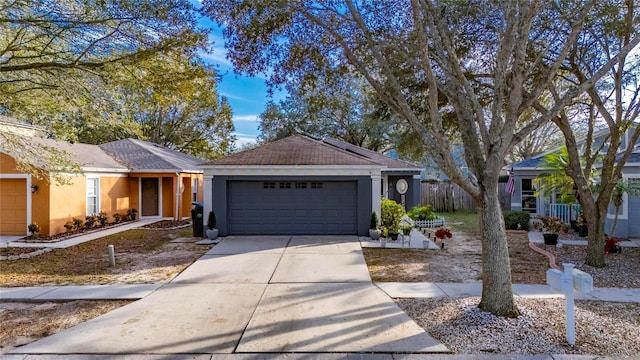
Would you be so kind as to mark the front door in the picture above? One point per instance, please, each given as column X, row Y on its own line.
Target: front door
column 149, row 197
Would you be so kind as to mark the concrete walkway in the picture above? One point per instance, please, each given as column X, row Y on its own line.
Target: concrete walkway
column 300, row 294
column 392, row 289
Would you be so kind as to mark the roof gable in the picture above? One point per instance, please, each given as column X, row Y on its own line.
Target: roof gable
column 294, row 150
column 140, row 156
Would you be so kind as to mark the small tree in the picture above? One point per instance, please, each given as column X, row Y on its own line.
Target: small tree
column 211, row 221
column 373, row 222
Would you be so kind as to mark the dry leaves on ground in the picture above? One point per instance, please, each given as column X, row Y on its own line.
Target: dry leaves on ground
column 23, row 323
column 142, row 256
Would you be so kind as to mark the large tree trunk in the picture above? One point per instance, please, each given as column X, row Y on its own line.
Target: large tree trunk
column 595, row 246
column 497, row 296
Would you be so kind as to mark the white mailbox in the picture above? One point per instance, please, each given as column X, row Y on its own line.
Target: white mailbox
column 566, row 281
column 582, row 281
column 557, row 280
column 579, row 280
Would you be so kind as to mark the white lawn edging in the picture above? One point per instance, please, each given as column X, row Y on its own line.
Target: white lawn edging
column 439, row 222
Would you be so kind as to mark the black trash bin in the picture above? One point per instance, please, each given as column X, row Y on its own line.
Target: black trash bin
column 197, row 208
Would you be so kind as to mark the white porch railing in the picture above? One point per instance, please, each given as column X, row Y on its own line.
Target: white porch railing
column 565, row 212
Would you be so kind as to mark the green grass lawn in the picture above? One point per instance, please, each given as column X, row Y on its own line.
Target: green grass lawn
column 462, row 222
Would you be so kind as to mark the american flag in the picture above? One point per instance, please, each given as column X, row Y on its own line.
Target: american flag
column 511, row 184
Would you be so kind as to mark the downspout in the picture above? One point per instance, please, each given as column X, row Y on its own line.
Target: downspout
column 177, row 216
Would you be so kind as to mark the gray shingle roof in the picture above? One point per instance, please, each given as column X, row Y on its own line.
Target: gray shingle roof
column 88, row 157
column 372, row 155
column 141, row 156
column 294, row 150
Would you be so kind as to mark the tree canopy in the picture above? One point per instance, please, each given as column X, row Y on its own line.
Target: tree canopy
column 492, row 63
column 96, row 71
column 343, row 108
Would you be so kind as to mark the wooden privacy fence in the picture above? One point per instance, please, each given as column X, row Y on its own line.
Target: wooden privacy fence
column 446, row 196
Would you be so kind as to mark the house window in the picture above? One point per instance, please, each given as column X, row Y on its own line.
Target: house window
column 316, row 185
column 194, row 189
column 285, row 185
column 301, row 185
column 269, row 185
column 93, row 186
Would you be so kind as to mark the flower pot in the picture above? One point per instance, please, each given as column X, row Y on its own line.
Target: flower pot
column 374, row 234
column 550, row 238
column 393, row 236
column 212, row 234
column 583, row 231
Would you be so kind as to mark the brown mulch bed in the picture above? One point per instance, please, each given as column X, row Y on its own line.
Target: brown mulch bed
column 168, row 224
column 69, row 234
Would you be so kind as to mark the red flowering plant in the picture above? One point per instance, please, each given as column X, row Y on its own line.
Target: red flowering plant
column 443, row 233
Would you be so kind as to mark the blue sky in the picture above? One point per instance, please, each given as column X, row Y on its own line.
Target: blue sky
column 247, row 95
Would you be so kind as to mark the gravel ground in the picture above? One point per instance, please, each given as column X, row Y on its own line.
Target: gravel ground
column 622, row 270
column 606, row 329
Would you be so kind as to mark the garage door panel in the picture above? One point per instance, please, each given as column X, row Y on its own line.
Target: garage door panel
column 13, row 207
column 254, row 209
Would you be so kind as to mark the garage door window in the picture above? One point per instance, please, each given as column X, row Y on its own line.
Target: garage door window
column 316, row 185
column 301, row 185
column 93, row 184
column 269, row 185
column 285, row 185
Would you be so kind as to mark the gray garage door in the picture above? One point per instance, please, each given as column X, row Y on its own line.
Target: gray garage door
column 292, row 207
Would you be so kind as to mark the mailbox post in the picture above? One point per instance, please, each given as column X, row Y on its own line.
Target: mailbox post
column 566, row 282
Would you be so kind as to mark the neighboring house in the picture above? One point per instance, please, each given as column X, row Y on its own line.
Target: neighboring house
column 298, row 185
column 528, row 198
column 167, row 180
column 118, row 176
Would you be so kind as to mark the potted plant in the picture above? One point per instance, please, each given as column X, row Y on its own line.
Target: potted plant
column 374, row 233
column 550, row 227
column 212, row 232
column 583, row 231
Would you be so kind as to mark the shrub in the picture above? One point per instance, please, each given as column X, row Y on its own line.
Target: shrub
column 90, row 221
column 211, row 221
column 34, row 229
column 117, row 218
column 373, row 221
column 102, row 218
column 391, row 214
column 422, row 213
column 69, row 226
column 131, row 214
column 513, row 218
column 77, row 223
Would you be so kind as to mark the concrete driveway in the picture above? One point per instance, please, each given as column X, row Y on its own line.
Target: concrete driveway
column 260, row 294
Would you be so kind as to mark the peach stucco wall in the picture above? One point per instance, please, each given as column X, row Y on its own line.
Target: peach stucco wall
column 114, row 195
column 66, row 202
column 7, row 165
